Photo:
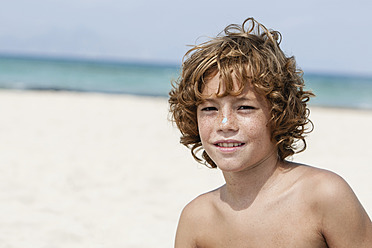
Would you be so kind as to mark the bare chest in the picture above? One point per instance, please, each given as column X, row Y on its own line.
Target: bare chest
column 272, row 225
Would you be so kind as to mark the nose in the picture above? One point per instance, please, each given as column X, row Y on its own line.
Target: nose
column 227, row 122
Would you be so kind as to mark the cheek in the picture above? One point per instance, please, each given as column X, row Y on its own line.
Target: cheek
column 205, row 127
column 257, row 128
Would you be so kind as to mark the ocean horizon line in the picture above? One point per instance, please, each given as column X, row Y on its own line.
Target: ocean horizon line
column 90, row 60
column 152, row 63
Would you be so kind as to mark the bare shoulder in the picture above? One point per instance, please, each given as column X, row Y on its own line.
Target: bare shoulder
column 201, row 206
column 326, row 187
column 322, row 183
column 327, row 190
column 344, row 222
column 196, row 217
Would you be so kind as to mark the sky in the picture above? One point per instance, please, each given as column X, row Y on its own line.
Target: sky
column 330, row 36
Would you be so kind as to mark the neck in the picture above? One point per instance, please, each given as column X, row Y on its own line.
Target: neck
column 243, row 187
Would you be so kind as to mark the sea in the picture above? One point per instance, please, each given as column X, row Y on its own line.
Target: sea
column 154, row 79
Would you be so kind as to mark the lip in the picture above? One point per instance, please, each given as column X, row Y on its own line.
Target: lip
column 227, row 146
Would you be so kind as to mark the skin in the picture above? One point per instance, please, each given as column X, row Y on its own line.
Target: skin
column 265, row 202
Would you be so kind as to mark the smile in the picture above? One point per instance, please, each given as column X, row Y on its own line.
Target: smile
column 229, row 144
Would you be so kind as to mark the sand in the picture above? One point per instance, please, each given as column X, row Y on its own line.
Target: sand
column 94, row 170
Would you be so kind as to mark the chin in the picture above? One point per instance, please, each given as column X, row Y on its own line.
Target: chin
column 227, row 167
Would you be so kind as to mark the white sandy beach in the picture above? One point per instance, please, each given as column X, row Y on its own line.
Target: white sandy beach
column 94, row 170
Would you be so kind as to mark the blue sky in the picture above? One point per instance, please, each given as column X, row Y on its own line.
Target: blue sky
column 324, row 35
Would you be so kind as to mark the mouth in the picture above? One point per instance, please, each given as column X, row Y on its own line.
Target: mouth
column 229, row 144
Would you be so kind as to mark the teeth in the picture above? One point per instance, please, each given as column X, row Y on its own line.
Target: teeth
column 229, row 144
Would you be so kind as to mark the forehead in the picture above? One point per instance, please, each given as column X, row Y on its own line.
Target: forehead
column 214, row 87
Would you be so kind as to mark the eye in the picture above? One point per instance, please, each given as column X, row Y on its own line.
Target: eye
column 209, row 109
column 245, row 107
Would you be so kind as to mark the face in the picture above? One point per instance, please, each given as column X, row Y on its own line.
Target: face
column 233, row 129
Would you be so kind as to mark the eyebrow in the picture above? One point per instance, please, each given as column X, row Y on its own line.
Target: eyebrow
column 245, row 99
column 239, row 99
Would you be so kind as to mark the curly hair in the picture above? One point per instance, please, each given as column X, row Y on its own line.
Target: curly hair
column 250, row 53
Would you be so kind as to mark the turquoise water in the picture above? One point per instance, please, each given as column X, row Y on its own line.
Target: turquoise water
column 27, row 73
column 89, row 76
column 340, row 91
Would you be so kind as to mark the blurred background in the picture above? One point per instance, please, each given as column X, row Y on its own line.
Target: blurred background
column 136, row 47
column 105, row 169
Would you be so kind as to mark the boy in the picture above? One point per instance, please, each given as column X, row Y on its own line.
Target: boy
column 240, row 101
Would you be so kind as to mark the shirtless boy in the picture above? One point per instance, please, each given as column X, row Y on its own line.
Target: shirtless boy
column 240, row 102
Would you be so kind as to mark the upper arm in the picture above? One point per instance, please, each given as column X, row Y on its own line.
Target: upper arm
column 344, row 221
column 194, row 221
column 185, row 235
